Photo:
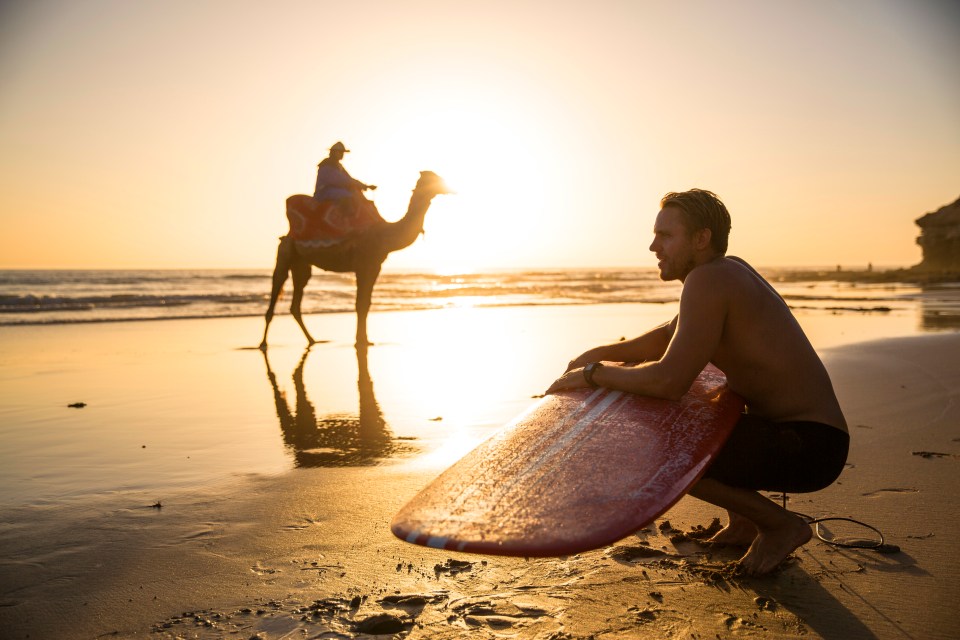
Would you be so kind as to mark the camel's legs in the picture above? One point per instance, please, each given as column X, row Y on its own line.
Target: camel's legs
column 301, row 275
column 366, row 278
column 280, row 272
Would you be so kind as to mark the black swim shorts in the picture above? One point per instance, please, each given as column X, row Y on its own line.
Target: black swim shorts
column 792, row 457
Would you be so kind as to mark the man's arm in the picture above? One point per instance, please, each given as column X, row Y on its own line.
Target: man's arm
column 331, row 175
column 699, row 327
column 356, row 184
column 649, row 346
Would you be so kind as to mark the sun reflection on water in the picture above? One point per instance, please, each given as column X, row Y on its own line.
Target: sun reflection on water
column 457, row 383
column 457, row 442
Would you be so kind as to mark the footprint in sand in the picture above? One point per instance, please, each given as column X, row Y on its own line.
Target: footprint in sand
column 497, row 611
column 663, row 623
column 382, row 624
column 412, row 603
column 735, row 623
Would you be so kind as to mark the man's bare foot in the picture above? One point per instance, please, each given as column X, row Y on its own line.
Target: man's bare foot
column 735, row 536
column 772, row 546
column 740, row 532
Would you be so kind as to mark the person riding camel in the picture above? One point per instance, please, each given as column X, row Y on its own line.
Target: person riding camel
column 336, row 185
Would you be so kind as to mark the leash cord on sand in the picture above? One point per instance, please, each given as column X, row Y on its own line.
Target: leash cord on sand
column 875, row 545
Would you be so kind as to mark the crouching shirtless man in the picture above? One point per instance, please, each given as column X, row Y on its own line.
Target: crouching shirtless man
column 792, row 436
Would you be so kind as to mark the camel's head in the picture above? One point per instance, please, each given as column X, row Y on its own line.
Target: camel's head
column 431, row 183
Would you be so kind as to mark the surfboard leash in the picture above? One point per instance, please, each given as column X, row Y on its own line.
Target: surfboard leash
column 880, row 546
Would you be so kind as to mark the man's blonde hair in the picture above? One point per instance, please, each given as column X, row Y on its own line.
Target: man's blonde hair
column 702, row 209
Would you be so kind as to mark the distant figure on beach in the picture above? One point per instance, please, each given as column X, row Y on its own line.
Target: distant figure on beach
column 792, row 436
column 335, row 184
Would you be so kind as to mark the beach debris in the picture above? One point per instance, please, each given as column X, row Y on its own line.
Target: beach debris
column 644, row 615
column 202, row 619
column 666, row 527
column 329, row 607
column 715, row 574
column 765, row 604
column 77, row 405
column 922, row 537
column 632, row 554
column 880, row 492
column 453, row 567
column 156, row 505
column 261, row 570
column 933, row 454
column 697, row 533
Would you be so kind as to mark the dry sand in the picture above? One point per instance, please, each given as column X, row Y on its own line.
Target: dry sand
column 263, row 550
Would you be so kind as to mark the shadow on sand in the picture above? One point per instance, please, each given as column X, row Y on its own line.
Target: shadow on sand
column 806, row 587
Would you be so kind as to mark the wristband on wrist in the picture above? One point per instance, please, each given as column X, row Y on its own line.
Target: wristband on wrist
column 588, row 372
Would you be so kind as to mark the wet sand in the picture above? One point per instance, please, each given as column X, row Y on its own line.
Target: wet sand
column 230, row 495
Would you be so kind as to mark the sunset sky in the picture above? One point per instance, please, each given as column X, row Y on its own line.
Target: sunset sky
column 169, row 133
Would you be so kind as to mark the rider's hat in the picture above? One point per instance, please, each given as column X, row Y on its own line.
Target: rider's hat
column 338, row 146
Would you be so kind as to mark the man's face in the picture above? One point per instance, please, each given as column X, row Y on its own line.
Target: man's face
column 673, row 244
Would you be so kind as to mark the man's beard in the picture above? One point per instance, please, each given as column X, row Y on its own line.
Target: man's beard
column 671, row 271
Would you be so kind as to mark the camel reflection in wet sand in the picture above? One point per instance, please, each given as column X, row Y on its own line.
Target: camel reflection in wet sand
column 337, row 440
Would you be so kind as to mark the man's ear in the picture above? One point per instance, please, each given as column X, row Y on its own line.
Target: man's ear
column 702, row 238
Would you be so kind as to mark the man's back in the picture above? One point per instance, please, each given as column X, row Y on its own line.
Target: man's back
column 763, row 351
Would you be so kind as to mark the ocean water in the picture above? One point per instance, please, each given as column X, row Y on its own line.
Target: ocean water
column 37, row 297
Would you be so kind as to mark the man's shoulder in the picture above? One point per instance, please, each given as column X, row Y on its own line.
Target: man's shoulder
column 722, row 269
column 731, row 278
column 722, row 276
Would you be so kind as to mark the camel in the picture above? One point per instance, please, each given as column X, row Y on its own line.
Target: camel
column 362, row 254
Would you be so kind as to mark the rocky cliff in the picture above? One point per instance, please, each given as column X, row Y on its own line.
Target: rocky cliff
column 940, row 239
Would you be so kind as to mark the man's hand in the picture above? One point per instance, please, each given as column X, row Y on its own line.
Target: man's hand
column 584, row 359
column 572, row 379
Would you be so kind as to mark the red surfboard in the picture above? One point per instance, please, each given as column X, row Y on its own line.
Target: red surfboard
column 579, row 470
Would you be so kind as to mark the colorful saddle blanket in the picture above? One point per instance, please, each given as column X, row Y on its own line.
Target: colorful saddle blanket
column 324, row 223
